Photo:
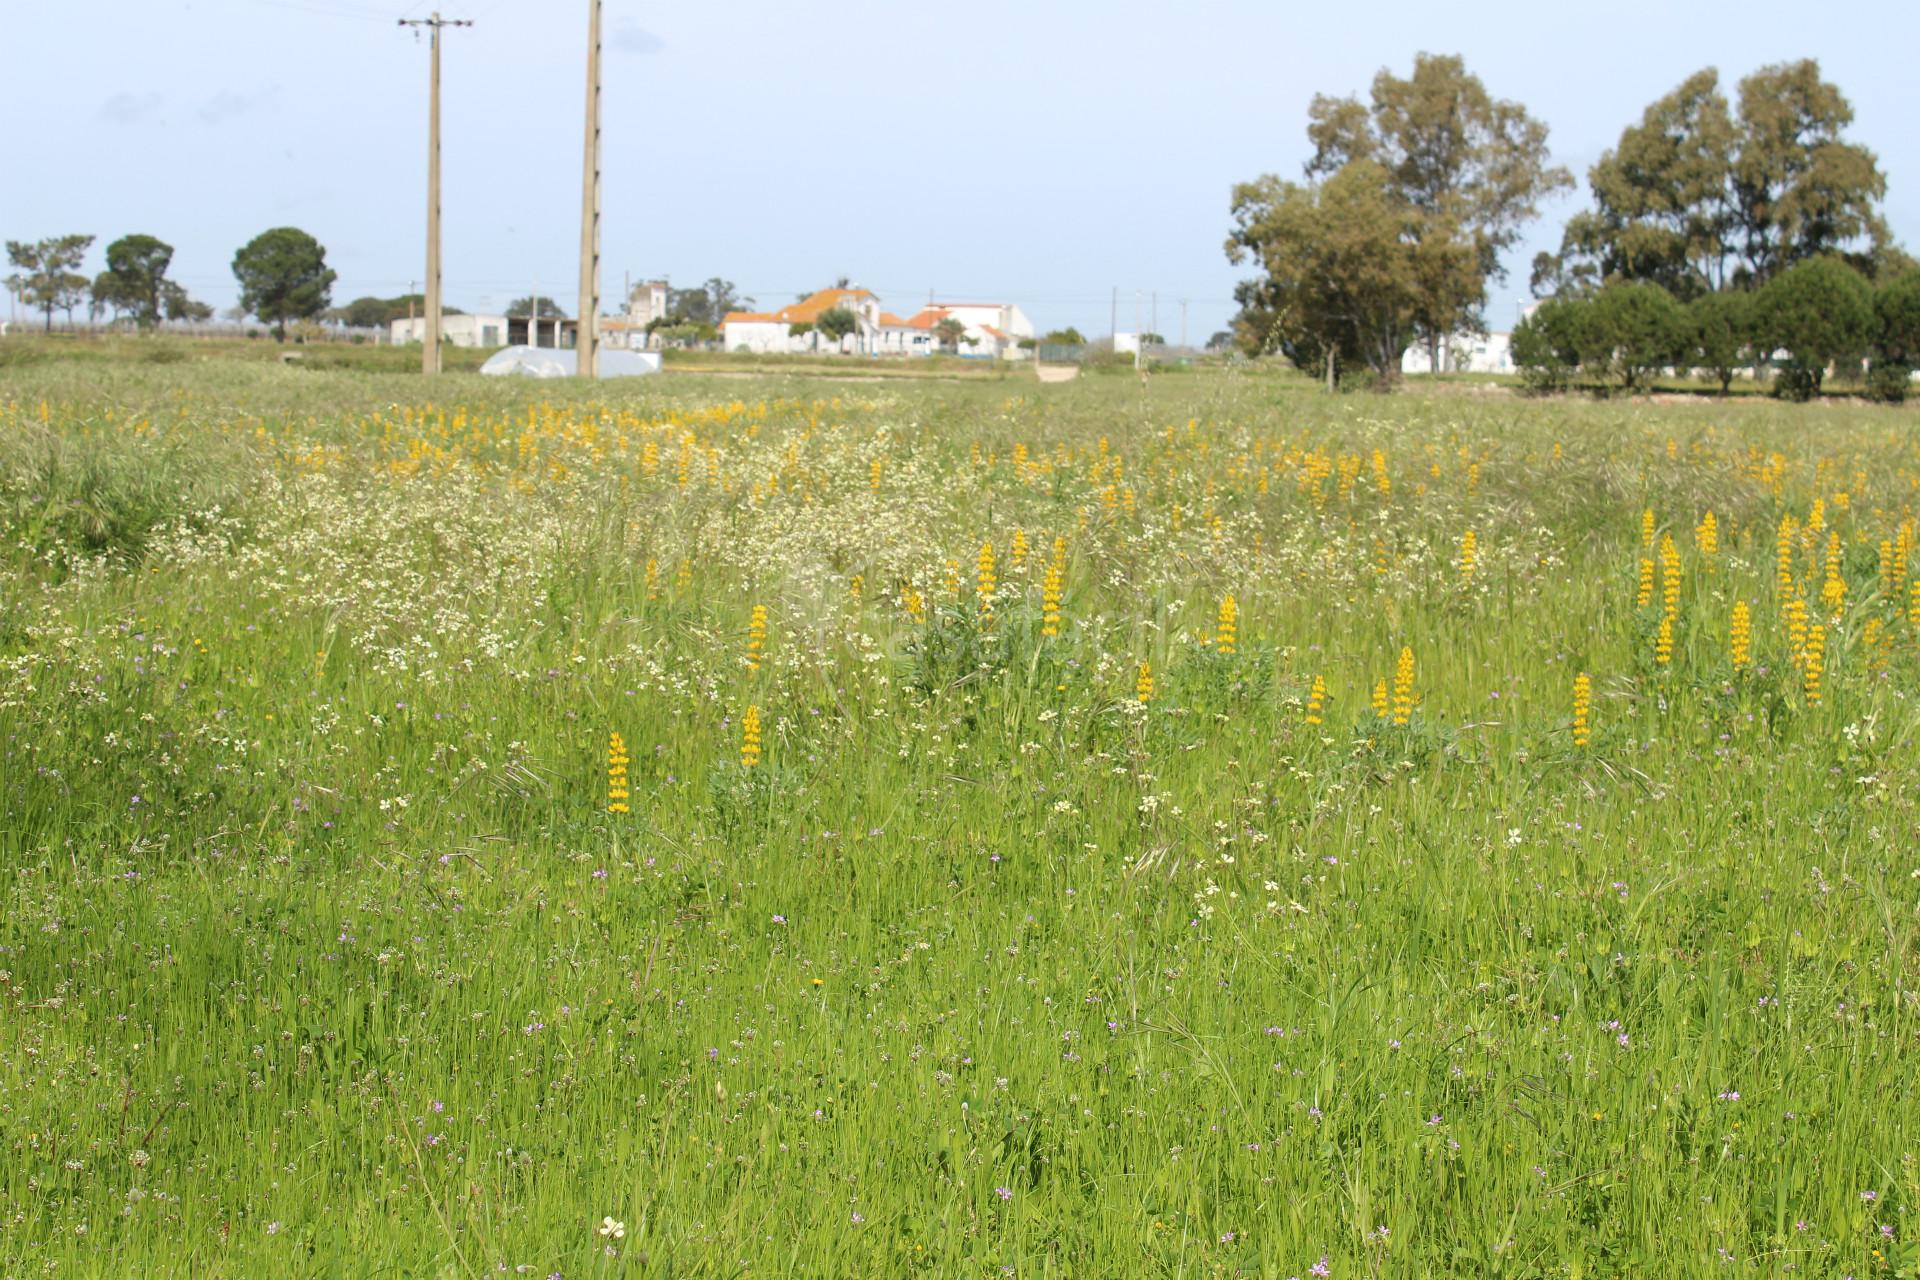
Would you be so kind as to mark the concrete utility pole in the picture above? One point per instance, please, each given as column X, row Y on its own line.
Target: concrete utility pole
column 430, row 349
column 587, row 346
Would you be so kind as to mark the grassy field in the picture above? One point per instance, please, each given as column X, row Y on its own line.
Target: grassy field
column 1200, row 828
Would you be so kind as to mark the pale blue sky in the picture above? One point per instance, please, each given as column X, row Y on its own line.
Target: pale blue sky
column 1038, row 151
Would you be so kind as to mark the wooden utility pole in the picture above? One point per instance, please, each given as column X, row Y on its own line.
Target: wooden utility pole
column 430, row 348
column 587, row 346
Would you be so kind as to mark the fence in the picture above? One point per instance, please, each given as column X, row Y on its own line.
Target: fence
column 25, row 325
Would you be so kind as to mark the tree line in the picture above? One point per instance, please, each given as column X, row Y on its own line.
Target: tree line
column 47, row 279
column 1817, row 314
column 283, row 276
column 1721, row 233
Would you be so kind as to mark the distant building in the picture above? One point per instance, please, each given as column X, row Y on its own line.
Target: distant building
column 1463, row 353
column 646, row 304
column 455, row 331
column 992, row 329
column 875, row 331
column 486, row 331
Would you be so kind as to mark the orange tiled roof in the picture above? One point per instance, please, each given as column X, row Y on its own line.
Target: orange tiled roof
column 806, row 311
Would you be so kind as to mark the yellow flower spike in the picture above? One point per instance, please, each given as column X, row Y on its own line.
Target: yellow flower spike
column 1316, row 700
column 1053, row 590
column 1582, row 709
column 1646, row 527
column 1469, row 555
column 1814, row 667
column 750, row 737
column 1403, row 687
column 1740, row 636
column 1143, row 683
column 1706, row 534
column 1644, row 595
column 1833, row 592
column 1795, row 613
column 616, row 774
column 984, row 579
column 756, row 637
column 1228, row 630
column 1669, row 576
column 1663, row 641
column 1789, row 533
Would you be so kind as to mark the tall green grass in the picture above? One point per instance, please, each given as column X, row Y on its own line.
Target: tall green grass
column 321, row 954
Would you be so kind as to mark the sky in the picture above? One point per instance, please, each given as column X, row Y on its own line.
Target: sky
column 1040, row 152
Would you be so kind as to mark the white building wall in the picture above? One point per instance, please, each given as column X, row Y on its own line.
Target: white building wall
column 761, row 336
column 456, row 331
column 1464, row 353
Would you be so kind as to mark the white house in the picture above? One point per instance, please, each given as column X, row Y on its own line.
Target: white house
column 455, row 331
column 875, row 331
column 1464, row 353
column 992, row 329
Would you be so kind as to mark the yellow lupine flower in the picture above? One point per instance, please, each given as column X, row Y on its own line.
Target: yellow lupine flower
column 1783, row 553
column 750, row 737
column 1833, row 592
column 1143, row 683
column 1403, row 686
column 1582, row 709
column 1053, row 590
column 1316, row 699
column 1796, row 616
column 1669, row 575
column 756, row 637
column 616, row 774
column 1814, row 666
column 1229, row 626
column 1740, row 636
